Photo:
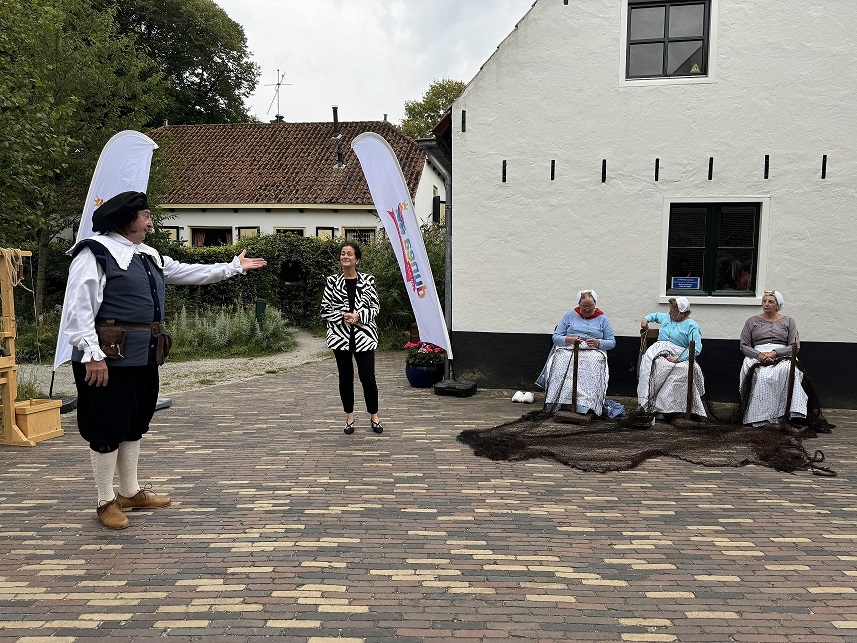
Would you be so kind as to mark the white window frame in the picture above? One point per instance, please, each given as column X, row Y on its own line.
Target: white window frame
column 177, row 229
column 672, row 80
column 239, row 234
column 209, row 227
column 762, row 256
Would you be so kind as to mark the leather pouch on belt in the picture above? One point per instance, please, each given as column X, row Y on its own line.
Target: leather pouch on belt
column 111, row 339
column 162, row 348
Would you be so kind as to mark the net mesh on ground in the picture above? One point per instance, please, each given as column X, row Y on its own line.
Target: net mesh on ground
column 614, row 445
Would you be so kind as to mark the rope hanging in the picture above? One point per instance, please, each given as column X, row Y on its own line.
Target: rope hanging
column 14, row 266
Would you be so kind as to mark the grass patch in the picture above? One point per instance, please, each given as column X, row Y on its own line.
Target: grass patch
column 29, row 391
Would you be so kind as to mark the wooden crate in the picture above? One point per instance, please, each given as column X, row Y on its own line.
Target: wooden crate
column 36, row 420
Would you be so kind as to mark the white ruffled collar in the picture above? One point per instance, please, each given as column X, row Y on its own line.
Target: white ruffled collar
column 123, row 251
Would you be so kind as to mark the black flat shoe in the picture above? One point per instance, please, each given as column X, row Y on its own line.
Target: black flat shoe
column 376, row 426
column 349, row 428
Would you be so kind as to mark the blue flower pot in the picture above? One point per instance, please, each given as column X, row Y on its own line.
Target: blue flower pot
column 423, row 376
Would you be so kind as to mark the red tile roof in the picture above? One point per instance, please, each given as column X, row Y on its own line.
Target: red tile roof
column 288, row 163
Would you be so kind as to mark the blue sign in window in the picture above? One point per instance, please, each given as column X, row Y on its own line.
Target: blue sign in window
column 685, row 283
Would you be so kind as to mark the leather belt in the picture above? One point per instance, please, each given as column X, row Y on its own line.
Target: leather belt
column 155, row 328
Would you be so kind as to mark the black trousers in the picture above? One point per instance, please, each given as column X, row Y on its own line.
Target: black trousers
column 365, row 370
column 118, row 412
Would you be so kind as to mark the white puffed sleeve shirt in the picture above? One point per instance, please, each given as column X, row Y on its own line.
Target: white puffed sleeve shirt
column 85, row 288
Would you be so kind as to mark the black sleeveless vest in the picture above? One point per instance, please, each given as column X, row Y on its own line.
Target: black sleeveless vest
column 134, row 295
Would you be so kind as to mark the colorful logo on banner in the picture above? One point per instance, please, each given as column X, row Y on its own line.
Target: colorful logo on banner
column 412, row 269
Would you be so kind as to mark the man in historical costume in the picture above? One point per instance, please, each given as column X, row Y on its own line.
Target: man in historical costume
column 115, row 301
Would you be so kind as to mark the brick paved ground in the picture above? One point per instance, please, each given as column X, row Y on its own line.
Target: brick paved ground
column 283, row 527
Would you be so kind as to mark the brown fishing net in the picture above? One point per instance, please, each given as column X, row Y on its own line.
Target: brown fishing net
column 604, row 445
column 615, row 445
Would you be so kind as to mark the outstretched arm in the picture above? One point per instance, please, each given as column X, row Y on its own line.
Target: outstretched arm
column 197, row 274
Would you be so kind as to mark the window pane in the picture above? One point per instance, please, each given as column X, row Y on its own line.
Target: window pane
column 647, row 23
column 684, row 263
column 734, row 270
column 646, row 60
column 360, row 236
column 687, row 227
column 687, row 21
column 685, row 58
column 737, row 227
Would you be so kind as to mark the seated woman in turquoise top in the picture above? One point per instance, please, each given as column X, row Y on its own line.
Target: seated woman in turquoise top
column 588, row 328
column 662, row 378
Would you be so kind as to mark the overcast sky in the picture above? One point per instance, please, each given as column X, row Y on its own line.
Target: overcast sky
column 366, row 56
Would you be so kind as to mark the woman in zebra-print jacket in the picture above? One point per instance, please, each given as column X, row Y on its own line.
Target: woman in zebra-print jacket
column 349, row 307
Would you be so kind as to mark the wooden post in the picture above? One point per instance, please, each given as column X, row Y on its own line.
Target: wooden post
column 573, row 417
column 12, row 434
column 690, row 361
column 574, row 379
column 791, row 384
column 35, row 430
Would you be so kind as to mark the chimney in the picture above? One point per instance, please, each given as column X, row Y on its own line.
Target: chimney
column 340, row 161
column 385, row 118
column 166, row 123
column 336, row 133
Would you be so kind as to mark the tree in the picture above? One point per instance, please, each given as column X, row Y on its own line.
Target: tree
column 202, row 53
column 75, row 82
column 422, row 115
column 28, row 115
column 75, row 72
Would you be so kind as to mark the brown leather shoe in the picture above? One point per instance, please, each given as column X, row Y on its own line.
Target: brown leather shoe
column 142, row 500
column 111, row 516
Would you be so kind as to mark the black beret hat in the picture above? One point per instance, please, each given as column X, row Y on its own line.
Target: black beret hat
column 118, row 211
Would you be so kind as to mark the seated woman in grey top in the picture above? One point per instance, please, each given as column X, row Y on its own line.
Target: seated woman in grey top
column 766, row 339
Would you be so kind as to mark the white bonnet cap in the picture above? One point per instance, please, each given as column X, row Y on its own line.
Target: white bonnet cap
column 776, row 294
column 683, row 304
column 591, row 293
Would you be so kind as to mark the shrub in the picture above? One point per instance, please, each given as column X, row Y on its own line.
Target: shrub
column 36, row 342
column 228, row 332
column 292, row 282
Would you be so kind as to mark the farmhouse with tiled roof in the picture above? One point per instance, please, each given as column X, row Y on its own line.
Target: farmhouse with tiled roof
column 236, row 180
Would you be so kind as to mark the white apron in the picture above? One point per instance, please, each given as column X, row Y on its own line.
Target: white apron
column 668, row 384
column 770, row 389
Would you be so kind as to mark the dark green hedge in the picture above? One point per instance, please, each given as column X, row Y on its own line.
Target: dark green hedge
column 292, row 282
column 295, row 276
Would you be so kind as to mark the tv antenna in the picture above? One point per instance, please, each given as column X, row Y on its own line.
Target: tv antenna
column 276, row 97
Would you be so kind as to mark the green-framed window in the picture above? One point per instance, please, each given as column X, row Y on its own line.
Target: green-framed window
column 713, row 249
column 668, row 39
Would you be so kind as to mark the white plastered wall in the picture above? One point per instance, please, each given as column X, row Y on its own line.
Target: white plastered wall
column 278, row 217
column 785, row 85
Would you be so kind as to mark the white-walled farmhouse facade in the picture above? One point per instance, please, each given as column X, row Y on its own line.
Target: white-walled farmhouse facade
column 704, row 148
